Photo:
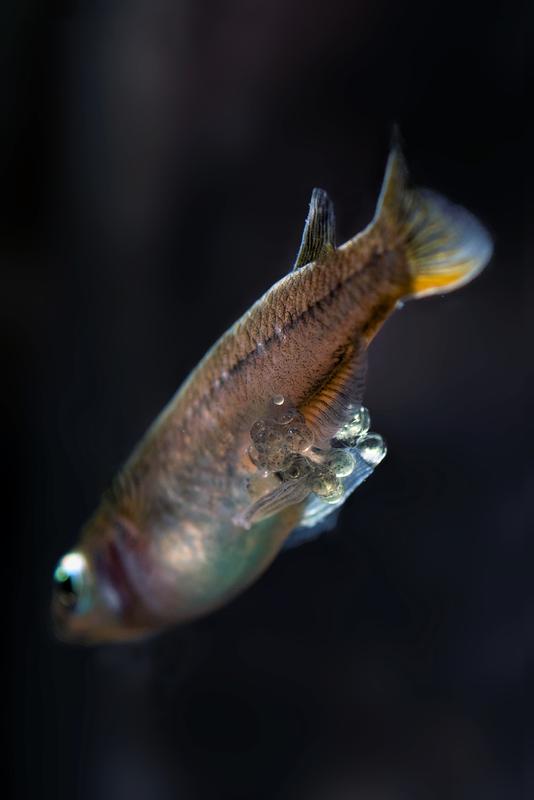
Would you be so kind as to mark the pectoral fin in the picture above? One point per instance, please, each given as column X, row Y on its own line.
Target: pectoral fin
column 287, row 493
column 318, row 238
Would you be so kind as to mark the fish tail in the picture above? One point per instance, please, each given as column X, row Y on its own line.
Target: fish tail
column 445, row 246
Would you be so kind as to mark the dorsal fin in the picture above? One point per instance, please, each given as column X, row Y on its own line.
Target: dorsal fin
column 319, row 234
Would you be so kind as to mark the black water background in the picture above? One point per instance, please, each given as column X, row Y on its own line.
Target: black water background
column 157, row 160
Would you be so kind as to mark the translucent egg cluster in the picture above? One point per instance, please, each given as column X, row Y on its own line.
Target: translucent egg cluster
column 278, row 439
column 282, row 443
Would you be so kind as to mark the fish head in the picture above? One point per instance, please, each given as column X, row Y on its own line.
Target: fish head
column 93, row 599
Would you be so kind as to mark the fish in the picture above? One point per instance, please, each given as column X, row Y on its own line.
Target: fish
column 267, row 437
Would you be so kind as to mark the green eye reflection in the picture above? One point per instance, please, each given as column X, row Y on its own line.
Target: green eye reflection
column 71, row 582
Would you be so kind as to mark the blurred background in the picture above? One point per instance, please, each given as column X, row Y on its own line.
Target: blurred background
column 157, row 159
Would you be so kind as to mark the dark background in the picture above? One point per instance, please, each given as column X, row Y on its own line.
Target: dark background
column 156, row 160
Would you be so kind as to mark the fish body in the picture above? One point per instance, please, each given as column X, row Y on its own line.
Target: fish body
column 259, row 439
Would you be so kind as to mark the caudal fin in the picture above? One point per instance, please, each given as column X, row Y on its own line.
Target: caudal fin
column 445, row 245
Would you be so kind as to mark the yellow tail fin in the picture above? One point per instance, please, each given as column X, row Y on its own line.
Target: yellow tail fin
column 445, row 245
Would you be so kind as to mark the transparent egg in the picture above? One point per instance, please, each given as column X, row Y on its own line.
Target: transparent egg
column 266, row 434
column 372, row 448
column 278, row 400
column 298, row 437
column 257, row 458
column 361, row 421
column 355, row 428
column 290, row 415
column 335, row 495
column 324, row 483
column 258, row 430
column 341, row 463
column 298, row 468
column 277, row 458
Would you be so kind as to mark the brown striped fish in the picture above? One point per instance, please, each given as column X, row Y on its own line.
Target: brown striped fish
column 268, row 436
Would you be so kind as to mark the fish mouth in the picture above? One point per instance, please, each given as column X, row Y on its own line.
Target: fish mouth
column 61, row 616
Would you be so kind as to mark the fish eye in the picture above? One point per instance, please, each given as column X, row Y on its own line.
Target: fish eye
column 66, row 592
column 71, row 581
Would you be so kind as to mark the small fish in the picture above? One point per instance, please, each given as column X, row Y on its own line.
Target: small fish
column 268, row 436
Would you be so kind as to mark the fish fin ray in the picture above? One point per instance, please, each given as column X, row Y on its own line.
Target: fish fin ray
column 336, row 400
column 318, row 237
column 304, row 533
column 445, row 245
column 288, row 493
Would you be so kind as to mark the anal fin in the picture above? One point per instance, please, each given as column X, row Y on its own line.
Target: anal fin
column 337, row 399
column 304, row 534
